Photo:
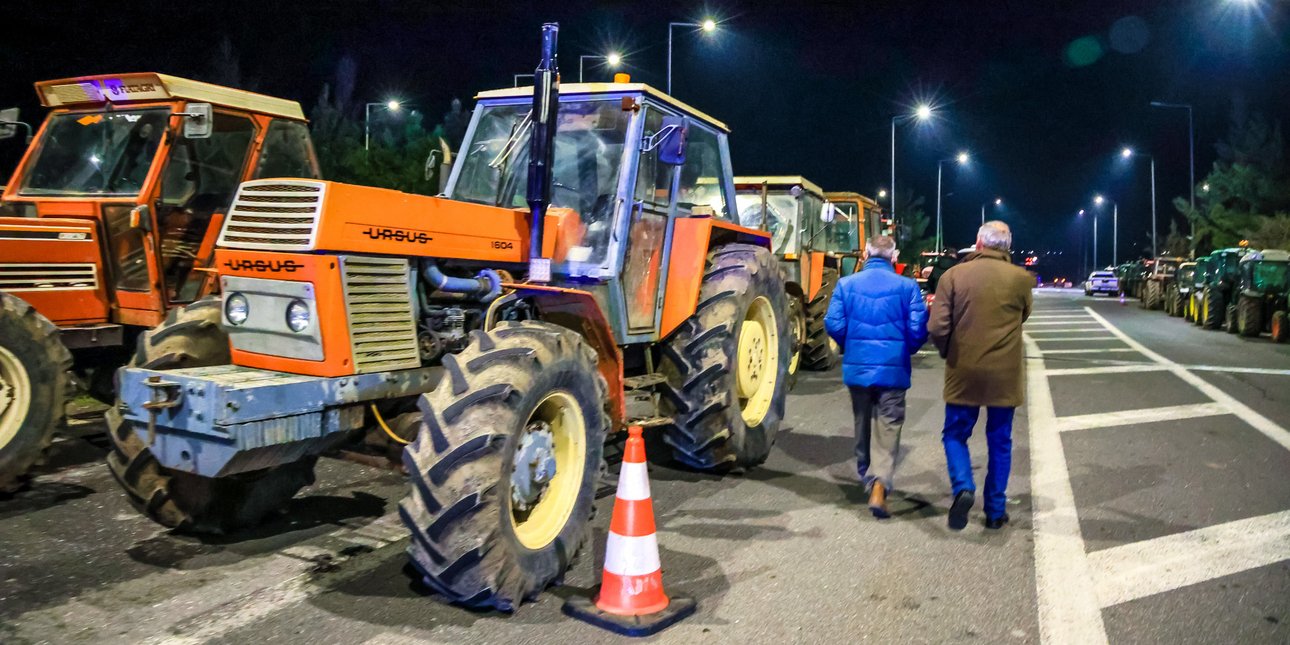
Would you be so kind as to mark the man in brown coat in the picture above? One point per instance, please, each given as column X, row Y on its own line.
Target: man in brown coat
column 975, row 323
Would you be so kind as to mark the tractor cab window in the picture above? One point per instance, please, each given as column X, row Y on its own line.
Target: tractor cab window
column 701, row 176
column 842, row 236
column 199, row 180
column 810, row 206
column 287, row 152
column 95, row 154
column 1271, row 277
column 589, row 140
column 778, row 217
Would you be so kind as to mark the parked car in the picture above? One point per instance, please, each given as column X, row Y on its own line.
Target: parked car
column 1102, row 282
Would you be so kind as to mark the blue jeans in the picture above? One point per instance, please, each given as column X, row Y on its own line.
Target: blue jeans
column 959, row 420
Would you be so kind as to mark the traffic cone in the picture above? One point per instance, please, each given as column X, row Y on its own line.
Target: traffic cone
column 630, row 600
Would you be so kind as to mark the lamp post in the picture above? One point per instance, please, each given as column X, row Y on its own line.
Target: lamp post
column 1191, row 143
column 962, row 158
column 612, row 59
column 708, row 26
column 1115, row 230
column 998, row 201
column 1084, row 247
column 922, row 113
column 1129, row 153
column 391, row 105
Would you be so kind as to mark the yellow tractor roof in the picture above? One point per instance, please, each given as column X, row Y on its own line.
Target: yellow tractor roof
column 149, row 86
column 781, row 180
column 846, row 195
column 575, row 89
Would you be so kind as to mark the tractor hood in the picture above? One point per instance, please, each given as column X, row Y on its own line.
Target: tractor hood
column 297, row 215
column 55, row 265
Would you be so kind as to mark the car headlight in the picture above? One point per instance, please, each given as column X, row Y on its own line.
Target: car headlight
column 236, row 308
column 297, row 316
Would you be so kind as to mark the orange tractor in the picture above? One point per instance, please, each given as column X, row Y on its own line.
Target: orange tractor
column 804, row 229
column 583, row 272
column 109, row 222
column 859, row 218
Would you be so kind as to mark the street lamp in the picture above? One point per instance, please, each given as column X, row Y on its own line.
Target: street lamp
column 707, row 26
column 1191, row 143
column 998, row 201
column 1128, row 153
column 882, row 194
column 923, row 112
column 391, row 105
column 1115, row 230
column 612, row 59
column 1084, row 254
column 962, row 159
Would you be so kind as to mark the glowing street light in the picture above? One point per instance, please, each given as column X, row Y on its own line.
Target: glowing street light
column 922, row 113
column 882, row 194
column 1115, row 230
column 392, row 105
column 707, row 26
column 998, row 201
column 1128, row 153
column 962, row 158
column 612, row 59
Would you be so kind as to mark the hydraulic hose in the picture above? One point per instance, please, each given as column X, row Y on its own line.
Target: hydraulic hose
column 486, row 285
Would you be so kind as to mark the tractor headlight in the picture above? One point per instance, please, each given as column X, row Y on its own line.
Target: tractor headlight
column 298, row 316
column 236, row 308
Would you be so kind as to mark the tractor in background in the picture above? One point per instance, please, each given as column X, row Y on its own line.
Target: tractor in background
column 584, row 272
column 109, row 224
column 1261, row 299
column 794, row 212
column 1218, row 296
column 861, row 213
column 1178, row 292
column 1204, row 265
column 1158, row 278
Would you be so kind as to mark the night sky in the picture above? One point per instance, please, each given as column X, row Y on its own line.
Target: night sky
column 1043, row 94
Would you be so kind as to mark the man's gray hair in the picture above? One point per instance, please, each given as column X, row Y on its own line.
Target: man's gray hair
column 995, row 235
column 882, row 246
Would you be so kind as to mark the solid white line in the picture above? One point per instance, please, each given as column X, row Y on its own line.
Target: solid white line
column 1108, row 369
column 1084, row 320
column 1235, row 369
column 1140, row 569
column 1269, row 428
column 1064, row 590
column 1088, row 351
column 1057, row 317
column 1075, row 339
column 1093, row 327
column 1131, row 417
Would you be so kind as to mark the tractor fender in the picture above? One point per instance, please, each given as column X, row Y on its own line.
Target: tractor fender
column 692, row 239
column 577, row 310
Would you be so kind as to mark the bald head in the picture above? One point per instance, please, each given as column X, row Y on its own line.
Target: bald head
column 994, row 235
column 881, row 246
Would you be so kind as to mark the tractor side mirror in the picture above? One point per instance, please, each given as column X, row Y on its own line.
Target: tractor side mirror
column 197, row 121
column 9, row 124
column 671, row 140
column 139, row 220
column 828, row 213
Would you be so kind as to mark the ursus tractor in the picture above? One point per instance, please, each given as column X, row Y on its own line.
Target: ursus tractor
column 109, row 223
column 583, row 273
column 800, row 220
column 1261, row 299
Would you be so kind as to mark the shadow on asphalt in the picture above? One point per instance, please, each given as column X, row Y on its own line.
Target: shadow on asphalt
column 40, row 495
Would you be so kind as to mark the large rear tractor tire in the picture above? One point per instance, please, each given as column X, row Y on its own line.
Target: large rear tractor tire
column 727, row 366
column 191, row 337
column 796, row 327
column 1151, row 295
column 819, row 354
column 1280, row 327
column 34, row 381
column 505, row 465
column 1212, row 309
column 1249, row 316
column 1230, row 324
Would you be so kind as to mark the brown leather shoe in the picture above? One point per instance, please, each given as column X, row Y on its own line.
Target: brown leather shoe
column 878, row 501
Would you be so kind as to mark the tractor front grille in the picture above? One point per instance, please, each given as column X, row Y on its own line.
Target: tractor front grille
column 47, row 277
column 378, row 304
column 274, row 215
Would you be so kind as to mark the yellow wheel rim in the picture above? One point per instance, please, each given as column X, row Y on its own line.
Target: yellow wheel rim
column 757, row 361
column 833, row 344
column 1204, row 308
column 540, row 525
column 15, row 396
column 799, row 339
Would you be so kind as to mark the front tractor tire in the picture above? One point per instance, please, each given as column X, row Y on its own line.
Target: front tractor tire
column 34, row 383
column 1249, row 316
column 505, row 466
column 1280, row 327
column 1151, row 295
column 727, row 365
column 191, row 337
column 1212, row 309
column 819, row 353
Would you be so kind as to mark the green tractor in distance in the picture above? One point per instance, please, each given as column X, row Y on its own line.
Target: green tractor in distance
column 1217, row 302
column 1261, row 303
column 1157, row 280
column 1133, row 278
column 1203, row 267
column 1178, row 292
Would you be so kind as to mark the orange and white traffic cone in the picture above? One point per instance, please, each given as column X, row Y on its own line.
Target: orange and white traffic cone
column 631, row 600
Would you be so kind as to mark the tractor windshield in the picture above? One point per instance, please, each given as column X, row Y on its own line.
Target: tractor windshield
column 783, row 220
column 95, row 154
column 589, row 144
column 1271, row 277
column 842, row 236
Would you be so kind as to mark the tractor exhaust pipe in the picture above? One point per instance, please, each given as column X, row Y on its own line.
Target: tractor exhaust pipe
column 546, row 103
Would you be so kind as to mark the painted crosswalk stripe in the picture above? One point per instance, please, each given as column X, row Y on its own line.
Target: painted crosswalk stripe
column 1132, row 417
column 1141, row 569
column 1107, row 369
column 1095, row 350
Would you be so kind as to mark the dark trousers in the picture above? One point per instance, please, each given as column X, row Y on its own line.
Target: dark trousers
column 879, row 415
column 959, row 420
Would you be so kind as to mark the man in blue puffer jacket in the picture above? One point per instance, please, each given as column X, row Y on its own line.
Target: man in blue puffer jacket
column 880, row 320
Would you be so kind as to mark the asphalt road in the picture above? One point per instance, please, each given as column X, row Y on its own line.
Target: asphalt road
column 1150, row 500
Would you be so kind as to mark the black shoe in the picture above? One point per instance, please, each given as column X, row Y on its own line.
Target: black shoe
column 997, row 522
column 959, row 509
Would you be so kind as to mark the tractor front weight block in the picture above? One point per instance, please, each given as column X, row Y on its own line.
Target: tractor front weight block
column 224, row 420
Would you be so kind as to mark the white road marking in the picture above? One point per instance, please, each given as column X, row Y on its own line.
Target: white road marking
column 1140, row 569
column 1096, row 350
column 1131, row 417
column 1107, row 369
column 1068, row 330
column 1064, row 588
column 1235, row 369
column 1056, row 317
column 1269, row 428
column 1076, row 339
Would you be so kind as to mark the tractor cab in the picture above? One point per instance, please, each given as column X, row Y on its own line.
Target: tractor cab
column 111, row 216
column 1264, row 285
column 866, row 217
